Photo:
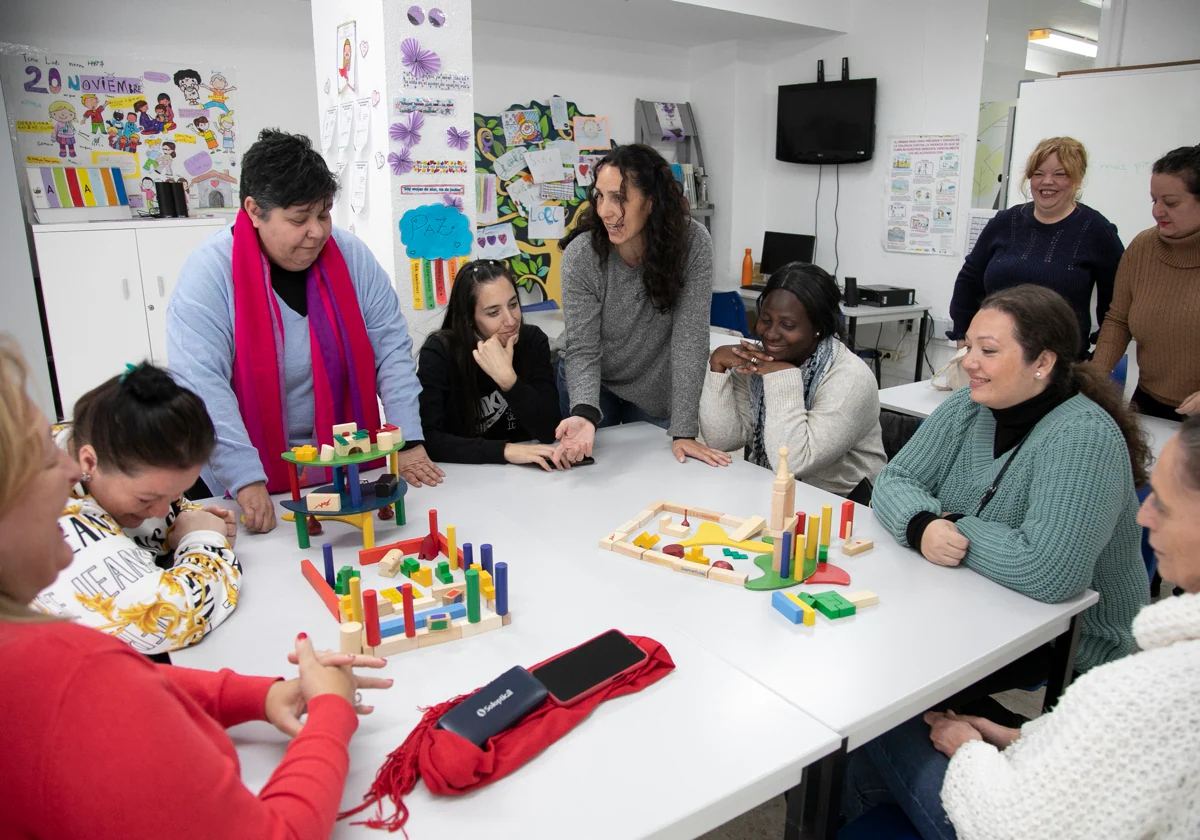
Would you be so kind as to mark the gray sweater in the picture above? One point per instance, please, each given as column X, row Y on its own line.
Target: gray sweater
column 834, row 445
column 614, row 336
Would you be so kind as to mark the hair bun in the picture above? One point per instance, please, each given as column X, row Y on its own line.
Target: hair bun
column 149, row 385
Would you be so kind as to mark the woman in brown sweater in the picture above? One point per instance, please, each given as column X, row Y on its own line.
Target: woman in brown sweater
column 1157, row 296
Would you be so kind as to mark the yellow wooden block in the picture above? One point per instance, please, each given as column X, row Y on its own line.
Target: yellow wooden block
column 423, row 576
column 646, row 540
column 488, row 592
column 810, row 615
column 305, row 453
column 393, row 595
column 695, row 554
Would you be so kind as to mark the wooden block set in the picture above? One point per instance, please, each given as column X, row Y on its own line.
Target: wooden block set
column 397, row 620
column 802, row 607
column 347, row 499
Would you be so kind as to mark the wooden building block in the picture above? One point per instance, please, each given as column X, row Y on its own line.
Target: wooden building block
column 508, row 618
column 728, row 576
column 326, row 452
column 668, row 527
column 328, row 597
column 690, row 568
column 645, row 540
column 606, row 544
column 485, row 623
column 701, row 513
column 748, row 529
column 424, row 603
column 629, row 550
column 350, row 637
column 395, row 644
column 695, row 554
column 323, row 502
column 385, row 607
column 305, row 453
column 427, row 639
column 393, row 595
column 865, row 598
column 643, row 517
column 672, row 507
column 438, row 622
column 345, row 428
column 810, row 615
column 453, row 596
column 731, row 521
column 857, row 547
column 660, row 558
column 385, row 441
column 389, row 566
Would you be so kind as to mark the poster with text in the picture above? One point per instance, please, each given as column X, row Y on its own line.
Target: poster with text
column 921, row 200
column 155, row 120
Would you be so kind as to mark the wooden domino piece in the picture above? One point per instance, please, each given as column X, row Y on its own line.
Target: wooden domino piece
column 865, row 598
column 323, row 502
column 857, row 546
column 748, row 529
column 727, row 576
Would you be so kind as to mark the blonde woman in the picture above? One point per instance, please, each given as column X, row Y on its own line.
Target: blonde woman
column 88, row 722
column 1052, row 240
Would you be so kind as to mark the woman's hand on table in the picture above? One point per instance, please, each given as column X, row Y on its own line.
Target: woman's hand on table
column 943, row 544
column 541, row 454
column 321, row 672
column 258, row 511
column 1190, row 406
column 575, row 436
column 685, row 448
column 416, row 468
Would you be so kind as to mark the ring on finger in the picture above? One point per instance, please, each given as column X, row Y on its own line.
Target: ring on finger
column 358, row 698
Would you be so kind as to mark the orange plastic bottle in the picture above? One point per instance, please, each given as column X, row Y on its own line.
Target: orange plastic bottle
column 747, row 269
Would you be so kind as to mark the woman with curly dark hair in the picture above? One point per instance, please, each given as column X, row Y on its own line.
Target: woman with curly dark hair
column 637, row 286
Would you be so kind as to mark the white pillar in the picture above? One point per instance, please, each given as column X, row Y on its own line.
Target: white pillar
column 378, row 74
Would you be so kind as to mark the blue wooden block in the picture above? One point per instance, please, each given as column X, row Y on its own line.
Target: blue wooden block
column 787, row 607
column 395, row 625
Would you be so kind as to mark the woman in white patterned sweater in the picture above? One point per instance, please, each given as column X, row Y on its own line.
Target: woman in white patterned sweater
column 1119, row 756
column 149, row 567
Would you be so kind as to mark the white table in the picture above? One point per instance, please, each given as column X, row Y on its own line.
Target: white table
column 679, row 758
column 919, row 399
column 552, row 324
column 936, row 630
column 863, row 315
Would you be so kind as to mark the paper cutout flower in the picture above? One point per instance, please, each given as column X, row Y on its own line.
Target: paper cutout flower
column 402, row 162
column 408, row 130
column 452, row 201
column 421, row 62
column 456, row 139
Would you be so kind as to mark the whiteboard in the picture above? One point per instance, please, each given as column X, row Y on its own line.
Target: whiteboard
column 1127, row 120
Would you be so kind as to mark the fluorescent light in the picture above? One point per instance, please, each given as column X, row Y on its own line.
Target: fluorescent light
column 1055, row 40
column 1096, row 4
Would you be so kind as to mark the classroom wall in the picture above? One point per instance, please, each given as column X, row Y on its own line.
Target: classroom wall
column 1152, row 31
column 267, row 42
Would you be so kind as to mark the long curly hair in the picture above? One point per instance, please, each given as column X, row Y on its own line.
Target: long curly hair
column 666, row 229
column 1042, row 320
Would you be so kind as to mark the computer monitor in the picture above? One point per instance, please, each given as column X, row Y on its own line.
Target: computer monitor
column 779, row 249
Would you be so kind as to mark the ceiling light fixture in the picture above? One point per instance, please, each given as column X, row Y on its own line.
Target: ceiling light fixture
column 1054, row 40
column 1095, row 4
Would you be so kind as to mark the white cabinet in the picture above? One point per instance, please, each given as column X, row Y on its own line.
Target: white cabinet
column 106, row 287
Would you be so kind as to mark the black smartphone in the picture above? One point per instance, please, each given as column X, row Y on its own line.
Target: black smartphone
column 577, row 673
column 587, row 461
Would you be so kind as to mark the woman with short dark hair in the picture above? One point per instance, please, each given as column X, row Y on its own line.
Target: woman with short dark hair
column 1156, row 301
column 285, row 327
column 487, row 384
column 637, row 291
column 147, row 566
column 801, row 387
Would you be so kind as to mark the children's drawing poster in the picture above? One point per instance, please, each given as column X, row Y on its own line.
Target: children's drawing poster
column 347, row 60
column 154, row 120
column 921, row 193
column 536, row 266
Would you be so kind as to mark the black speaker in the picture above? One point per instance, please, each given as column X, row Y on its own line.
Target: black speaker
column 166, row 200
column 851, row 292
column 181, row 205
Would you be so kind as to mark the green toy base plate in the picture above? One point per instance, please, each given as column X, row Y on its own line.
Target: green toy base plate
column 769, row 579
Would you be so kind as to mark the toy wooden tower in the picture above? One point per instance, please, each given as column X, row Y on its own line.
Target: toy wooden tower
column 783, row 504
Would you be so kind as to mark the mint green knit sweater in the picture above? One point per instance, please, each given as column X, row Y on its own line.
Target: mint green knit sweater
column 1063, row 520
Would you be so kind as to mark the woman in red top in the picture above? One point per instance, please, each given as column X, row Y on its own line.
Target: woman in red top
column 98, row 741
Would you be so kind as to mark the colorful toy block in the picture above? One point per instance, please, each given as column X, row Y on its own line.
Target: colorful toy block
column 854, row 547
column 326, row 452
column 847, row 519
column 423, row 576
column 443, row 573
column 410, row 565
column 400, row 625
column 323, row 502
column 385, row 485
column 833, row 605
column 696, row 555
column 305, row 453
column 454, row 596
column 342, row 586
column 438, row 621
column 810, row 615
column 790, row 608
column 645, row 540
column 328, row 597
column 345, row 428
column 390, row 565
column 862, row 599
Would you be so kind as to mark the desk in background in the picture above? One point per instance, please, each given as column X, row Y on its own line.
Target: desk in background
column 919, row 399
column 864, row 315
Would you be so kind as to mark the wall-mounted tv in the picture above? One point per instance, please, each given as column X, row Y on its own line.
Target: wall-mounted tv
column 826, row 122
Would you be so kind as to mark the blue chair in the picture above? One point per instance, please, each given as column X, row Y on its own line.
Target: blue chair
column 544, row 306
column 728, row 311
column 1121, row 371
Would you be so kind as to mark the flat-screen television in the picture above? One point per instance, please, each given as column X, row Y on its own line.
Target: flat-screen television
column 826, row 122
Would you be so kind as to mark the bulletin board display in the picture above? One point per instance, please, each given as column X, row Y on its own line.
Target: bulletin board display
column 534, row 170
column 152, row 120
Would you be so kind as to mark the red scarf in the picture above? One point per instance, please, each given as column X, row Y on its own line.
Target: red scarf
column 452, row 765
column 343, row 361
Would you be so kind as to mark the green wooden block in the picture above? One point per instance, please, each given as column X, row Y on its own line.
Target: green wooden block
column 409, row 566
column 806, row 598
column 342, row 581
column 832, row 605
column 822, row 553
column 473, row 595
column 439, row 622
column 443, row 573
column 361, row 434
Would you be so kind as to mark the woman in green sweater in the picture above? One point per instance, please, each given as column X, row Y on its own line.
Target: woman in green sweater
column 1027, row 476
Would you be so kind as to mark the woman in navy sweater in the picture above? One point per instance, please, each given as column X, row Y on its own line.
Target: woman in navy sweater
column 1052, row 241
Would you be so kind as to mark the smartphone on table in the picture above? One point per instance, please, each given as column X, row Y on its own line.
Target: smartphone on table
column 582, row 671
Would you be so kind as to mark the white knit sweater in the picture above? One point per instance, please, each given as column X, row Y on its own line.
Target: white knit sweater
column 1119, row 757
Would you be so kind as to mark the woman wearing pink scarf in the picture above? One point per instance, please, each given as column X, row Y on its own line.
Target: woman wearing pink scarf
column 286, row 326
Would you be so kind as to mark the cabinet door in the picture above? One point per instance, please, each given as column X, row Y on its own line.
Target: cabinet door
column 162, row 253
column 91, row 285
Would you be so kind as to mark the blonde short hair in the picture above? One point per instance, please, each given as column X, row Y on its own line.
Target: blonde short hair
column 1071, row 154
column 22, row 455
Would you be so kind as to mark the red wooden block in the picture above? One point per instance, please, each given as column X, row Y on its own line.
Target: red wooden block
column 829, row 573
column 317, row 581
column 371, row 616
column 674, row 549
column 847, row 516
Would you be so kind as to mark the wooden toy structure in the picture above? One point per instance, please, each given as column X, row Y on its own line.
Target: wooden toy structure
column 783, row 556
column 467, row 599
column 347, row 499
column 803, row 607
